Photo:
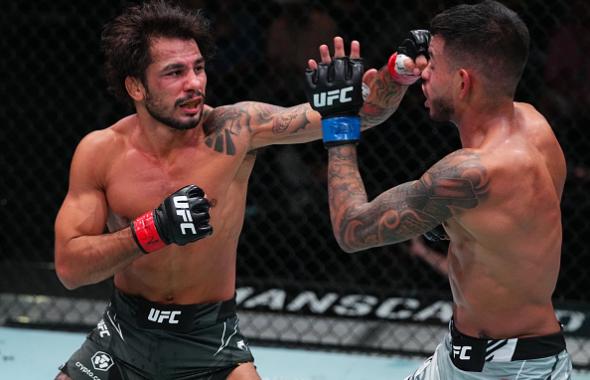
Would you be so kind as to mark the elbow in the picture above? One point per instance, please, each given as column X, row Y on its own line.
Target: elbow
column 345, row 245
column 66, row 277
column 66, row 274
column 347, row 248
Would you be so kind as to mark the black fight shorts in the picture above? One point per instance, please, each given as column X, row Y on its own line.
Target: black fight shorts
column 138, row 340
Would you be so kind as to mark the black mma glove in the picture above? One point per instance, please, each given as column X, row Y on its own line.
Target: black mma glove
column 414, row 45
column 335, row 91
column 182, row 218
column 438, row 233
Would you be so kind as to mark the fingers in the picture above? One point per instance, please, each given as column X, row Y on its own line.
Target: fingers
column 421, row 63
column 355, row 50
column 312, row 64
column 339, row 52
column 325, row 54
column 339, row 47
column 415, row 67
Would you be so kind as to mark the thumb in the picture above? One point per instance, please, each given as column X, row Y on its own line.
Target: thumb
column 368, row 79
column 369, row 76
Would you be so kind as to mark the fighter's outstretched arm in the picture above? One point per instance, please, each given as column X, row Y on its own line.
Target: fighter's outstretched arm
column 271, row 124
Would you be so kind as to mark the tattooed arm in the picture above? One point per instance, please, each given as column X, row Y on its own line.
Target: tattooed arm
column 383, row 100
column 272, row 124
column 457, row 182
column 268, row 124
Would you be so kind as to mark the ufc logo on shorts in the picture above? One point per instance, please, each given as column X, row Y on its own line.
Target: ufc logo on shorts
column 159, row 316
column 461, row 351
column 327, row 98
column 182, row 210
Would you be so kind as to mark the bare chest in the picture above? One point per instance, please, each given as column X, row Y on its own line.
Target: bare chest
column 138, row 182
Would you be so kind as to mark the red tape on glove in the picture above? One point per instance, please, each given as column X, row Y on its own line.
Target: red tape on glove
column 405, row 80
column 145, row 233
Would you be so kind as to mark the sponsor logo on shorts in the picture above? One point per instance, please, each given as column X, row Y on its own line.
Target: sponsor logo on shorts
column 461, row 351
column 164, row 316
column 101, row 361
column 87, row 371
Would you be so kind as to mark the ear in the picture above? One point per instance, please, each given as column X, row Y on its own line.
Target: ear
column 466, row 83
column 135, row 88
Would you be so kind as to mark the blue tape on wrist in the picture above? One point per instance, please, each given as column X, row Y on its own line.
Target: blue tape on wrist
column 341, row 129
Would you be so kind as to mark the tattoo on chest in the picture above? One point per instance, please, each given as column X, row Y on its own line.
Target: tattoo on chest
column 224, row 127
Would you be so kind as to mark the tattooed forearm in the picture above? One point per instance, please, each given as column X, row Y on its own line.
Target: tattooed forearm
column 292, row 120
column 346, row 190
column 383, row 100
column 283, row 120
column 458, row 182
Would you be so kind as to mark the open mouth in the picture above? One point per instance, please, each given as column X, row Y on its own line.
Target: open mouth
column 191, row 104
column 191, row 107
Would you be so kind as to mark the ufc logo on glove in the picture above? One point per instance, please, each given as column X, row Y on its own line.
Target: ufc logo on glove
column 327, row 98
column 182, row 210
column 182, row 218
column 335, row 91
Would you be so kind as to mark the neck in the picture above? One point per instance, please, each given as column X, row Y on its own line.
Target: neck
column 160, row 139
column 477, row 122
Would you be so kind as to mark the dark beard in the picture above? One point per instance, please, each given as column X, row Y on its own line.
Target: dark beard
column 169, row 121
column 441, row 110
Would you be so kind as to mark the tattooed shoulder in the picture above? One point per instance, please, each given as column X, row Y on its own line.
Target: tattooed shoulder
column 460, row 180
column 223, row 127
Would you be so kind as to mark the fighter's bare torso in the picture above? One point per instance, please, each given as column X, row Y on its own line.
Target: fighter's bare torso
column 504, row 254
column 135, row 181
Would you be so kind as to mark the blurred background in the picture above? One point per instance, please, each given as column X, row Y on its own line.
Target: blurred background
column 295, row 286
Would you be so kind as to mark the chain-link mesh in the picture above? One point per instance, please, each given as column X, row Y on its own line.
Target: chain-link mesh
column 53, row 94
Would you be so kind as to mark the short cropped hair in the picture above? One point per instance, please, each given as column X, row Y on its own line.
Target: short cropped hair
column 126, row 40
column 488, row 36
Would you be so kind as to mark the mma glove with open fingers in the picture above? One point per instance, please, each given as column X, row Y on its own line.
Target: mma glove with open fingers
column 182, row 218
column 335, row 91
column 414, row 45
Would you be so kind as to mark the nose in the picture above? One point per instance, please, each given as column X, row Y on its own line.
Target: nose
column 194, row 81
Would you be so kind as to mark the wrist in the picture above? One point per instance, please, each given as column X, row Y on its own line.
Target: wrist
column 341, row 130
column 398, row 71
column 145, row 233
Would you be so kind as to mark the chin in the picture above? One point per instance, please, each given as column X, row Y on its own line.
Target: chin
column 189, row 122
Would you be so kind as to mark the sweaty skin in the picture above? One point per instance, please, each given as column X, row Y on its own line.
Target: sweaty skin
column 498, row 199
column 120, row 172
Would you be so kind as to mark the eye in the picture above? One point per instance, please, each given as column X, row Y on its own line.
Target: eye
column 174, row 73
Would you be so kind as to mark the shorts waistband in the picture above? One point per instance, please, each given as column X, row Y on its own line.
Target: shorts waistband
column 152, row 315
column 470, row 354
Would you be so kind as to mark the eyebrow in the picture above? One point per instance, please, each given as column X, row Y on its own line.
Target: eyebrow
column 177, row 66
